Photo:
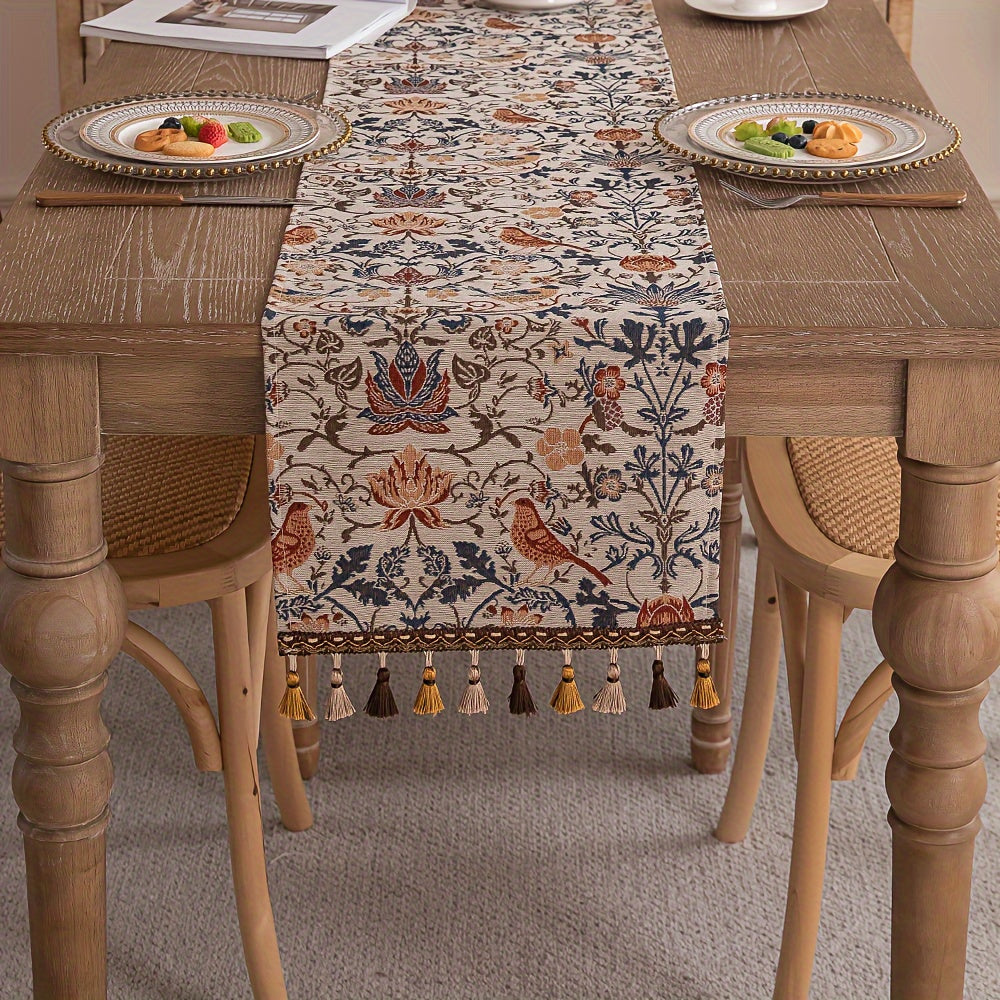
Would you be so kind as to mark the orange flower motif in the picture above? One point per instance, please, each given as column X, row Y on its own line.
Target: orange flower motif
column 300, row 235
column 321, row 623
column 608, row 382
column 648, row 262
column 664, row 610
column 560, row 448
column 544, row 212
column 410, row 488
column 617, row 134
column 595, row 39
column 408, row 224
column 274, row 451
column 416, row 106
column 522, row 616
column 714, row 379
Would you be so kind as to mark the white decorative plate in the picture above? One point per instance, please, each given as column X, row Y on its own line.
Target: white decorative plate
column 284, row 128
column 885, row 136
column 63, row 137
column 940, row 136
column 785, row 9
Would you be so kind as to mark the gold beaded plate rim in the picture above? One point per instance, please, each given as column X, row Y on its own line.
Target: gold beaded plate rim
column 60, row 137
column 943, row 139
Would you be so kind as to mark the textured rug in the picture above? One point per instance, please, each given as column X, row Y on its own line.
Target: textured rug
column 486, row 858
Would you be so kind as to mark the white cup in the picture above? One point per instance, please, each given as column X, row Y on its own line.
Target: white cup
column 756, row 6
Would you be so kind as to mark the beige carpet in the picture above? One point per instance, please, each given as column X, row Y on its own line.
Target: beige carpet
column 473, row 859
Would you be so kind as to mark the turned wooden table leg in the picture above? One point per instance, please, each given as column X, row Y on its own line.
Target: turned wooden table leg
column 307, row 734
column 712, row 729
column 937, row 621
column 62, row 619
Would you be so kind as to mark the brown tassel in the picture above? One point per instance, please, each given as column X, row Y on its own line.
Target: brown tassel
column 520, row 700
column 704, row 694
column 428, row 697
column 662, row 694
column 338, row 705
column 566, row 698
column 381, row 704
column 474, row 701
column 293, row 702
column 611, row 698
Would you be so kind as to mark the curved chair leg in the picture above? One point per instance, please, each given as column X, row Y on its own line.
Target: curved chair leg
column 793, row 603
column 861, row 714
column 279, row 745
column 187, row 695
column 239, row 758
column 307, row 733
column 758, row 708
column 812, row 799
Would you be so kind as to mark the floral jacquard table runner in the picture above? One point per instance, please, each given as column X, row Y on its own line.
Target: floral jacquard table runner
column 495, row 349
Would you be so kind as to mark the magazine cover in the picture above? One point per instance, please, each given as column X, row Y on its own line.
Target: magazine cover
column 302, row 29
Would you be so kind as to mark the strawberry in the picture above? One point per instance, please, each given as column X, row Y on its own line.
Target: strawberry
column 213, row 132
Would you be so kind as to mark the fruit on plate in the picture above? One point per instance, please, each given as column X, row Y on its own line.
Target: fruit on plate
column 747, row 129
column 155, row 139
column 171, row 123
column 785, row 125
column 213, row 132
column 190, row 148
column 191, row 124
column 766, row 146
column 797, row 141
column 809, row 125
column 243, row 132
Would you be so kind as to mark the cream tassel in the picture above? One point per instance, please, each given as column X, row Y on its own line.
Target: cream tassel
column 662, row 694
column 520, row 700
column 704, row 694
column 566, row 698
column 428, row 697
column 381, row 704
column 474, row 701
column 611, row 699
column 338, row 705
column 293, row 702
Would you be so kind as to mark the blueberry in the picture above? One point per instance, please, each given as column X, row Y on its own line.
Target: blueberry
column 171, row 123
column 797, row 141
column 780, row 137
column 809, row 126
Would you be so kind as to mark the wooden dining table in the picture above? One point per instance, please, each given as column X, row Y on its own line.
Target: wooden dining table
column 845, row 321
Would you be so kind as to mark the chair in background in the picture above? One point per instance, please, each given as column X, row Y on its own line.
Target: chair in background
column 186, row 520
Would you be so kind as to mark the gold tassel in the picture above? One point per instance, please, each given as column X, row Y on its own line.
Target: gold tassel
column 704, row 694
column 338, row 705
column 661, row 695
column 520, row 700
column 381, row 704
column 428, row 697
column 474, row 701
column 293, row 702
column 566, row 698
column 610, row 700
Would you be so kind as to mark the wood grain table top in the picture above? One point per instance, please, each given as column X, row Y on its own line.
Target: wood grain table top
column 809, row 286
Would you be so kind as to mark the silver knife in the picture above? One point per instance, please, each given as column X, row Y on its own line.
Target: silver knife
column 68, row 199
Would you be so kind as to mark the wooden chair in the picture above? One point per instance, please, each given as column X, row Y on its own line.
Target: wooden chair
column 185, row 520
column 826, row 514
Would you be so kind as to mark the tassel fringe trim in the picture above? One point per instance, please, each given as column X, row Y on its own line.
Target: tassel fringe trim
column 704, row 694
column 520, row 700
column 338, row 705
column 566, row 698
column 610, row 700
column 293, row 704
column 381, row 704
column 474, row 700
column 661, row 694
column 428, row 697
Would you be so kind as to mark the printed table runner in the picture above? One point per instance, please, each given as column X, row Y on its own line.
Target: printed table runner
column 495, row 349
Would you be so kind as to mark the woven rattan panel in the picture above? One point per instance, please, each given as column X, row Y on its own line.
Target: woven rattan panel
column 850, row 487
column 166, row 494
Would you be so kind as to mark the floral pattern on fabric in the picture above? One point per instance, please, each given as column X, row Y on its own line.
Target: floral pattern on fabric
column 495, row 354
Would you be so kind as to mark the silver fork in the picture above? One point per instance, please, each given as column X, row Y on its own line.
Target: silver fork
column 931, row 199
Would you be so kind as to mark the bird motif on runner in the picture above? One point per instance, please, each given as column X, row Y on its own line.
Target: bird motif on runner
column 517, row 237
column 292, row 546
column 537, row 543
